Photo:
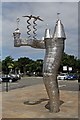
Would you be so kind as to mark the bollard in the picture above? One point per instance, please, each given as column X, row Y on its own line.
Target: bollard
column 6, row 86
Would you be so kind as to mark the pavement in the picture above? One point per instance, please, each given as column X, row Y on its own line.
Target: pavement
column 15, row 103
column 0, row 105
column 70, row 85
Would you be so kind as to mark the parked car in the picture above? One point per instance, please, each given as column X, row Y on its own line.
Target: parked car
column 0, row 79
column 6, row 79
column 10, row 78
column 16, row 76
column 72, row 77
column 62, row 76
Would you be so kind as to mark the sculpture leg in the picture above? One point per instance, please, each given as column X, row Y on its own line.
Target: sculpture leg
column 51, row 85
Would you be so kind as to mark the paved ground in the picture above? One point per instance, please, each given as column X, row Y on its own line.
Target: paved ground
column 69, row 85
column 0, row 105
column 14, row 107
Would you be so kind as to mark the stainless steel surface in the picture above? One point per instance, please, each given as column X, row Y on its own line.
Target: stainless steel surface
column 37, row 18
column 35, row 29
column 18, row 20
column 54, row 48
column 47, row 33
column 59, row 30
column 17, row 40
column 29, row 29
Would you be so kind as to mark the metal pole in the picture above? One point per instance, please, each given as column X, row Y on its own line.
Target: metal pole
column 6, row 86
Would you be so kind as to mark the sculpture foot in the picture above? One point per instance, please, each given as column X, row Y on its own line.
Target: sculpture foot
column 51, row 109
column 54, row 110
column 47, row 106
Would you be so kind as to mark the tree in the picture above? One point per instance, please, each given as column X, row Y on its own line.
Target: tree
column 16, row 67
column 39, row 67
column 68, row 60
column 6, row 64
column 78, row 66
column 22, row 64
column 0, row 66
column 26, row 65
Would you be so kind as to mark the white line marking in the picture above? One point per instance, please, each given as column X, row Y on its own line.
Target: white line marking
column 62, row 85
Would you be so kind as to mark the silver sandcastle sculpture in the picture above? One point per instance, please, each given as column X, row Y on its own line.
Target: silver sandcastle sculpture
column 54, row 46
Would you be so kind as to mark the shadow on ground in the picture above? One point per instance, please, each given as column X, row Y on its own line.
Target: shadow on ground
column 47, row 106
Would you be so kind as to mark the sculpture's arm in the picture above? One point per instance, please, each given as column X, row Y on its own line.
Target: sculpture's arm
column 31, row 42
column 27, row 42
column 36, row 43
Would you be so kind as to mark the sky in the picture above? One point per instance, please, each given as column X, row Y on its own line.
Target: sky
column 39, row 0
column 48, row 12
column 79, row 30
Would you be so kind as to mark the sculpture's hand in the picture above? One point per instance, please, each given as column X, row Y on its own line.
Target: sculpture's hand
column 38, row 44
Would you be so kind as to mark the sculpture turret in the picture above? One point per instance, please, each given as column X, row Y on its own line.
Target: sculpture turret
column 47, row 34
column 16, row 34
column 59, row 30
column 17, row 41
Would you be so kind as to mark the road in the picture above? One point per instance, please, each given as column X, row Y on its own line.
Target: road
column 70, row 85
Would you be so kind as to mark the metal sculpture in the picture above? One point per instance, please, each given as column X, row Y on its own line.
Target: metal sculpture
column 34, row 26
column 28, row 26
column 54, row 48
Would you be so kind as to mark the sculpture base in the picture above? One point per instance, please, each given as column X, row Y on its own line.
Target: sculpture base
column 47, row 106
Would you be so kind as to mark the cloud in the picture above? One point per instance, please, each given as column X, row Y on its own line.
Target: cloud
column 40, row 0
column 0, row 30
column 48, row 12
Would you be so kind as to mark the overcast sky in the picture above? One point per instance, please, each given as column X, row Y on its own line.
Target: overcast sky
column 48, row 12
